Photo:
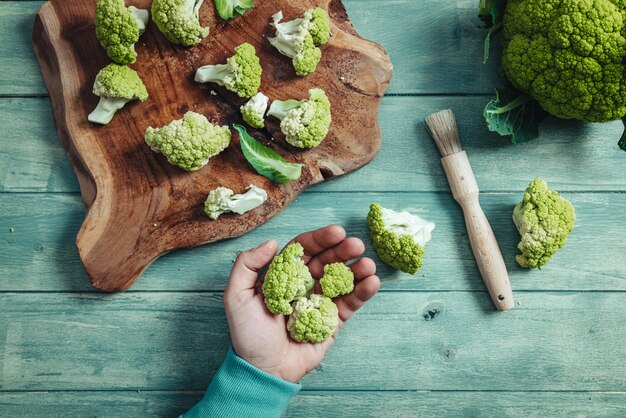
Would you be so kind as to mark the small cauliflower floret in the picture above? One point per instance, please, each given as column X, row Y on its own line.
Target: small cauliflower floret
column 313, row 320
column 116, row 85
column 253, row 111
column 189, row 142
column 399, row 237
column 305, row 123
column 178, row 21
column 118, row 29
column 241, row 73
column 299, row 39
column 338, row 280
column 228, row 9
column 223, row 200
column 286, row 280
column 544, row 220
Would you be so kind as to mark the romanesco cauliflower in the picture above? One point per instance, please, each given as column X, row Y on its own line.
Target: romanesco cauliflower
column 118, row 29
column 116, row 85
column 544, row 220
column 189, row 142
column 299, row 39
column 178, row 20
column 568, row 55
column 338, row 280
column 286, row 280
column 313, row 320
column 241, row 73
column 399, row 237
column 253, row 111
column 305, row 123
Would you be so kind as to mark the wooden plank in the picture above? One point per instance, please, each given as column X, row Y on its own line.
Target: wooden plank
column 570, row 155
column 327, row 404
column 412, row 341
column 439, row 51
column 40, row 254
column 19, row 71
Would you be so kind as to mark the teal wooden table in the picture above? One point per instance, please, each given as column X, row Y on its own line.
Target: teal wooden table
column 429, row 345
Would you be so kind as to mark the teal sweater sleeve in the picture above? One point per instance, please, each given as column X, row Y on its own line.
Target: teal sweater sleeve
column 239, row 389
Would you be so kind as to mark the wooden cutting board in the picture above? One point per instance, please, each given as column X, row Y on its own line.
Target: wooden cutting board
column 139, row 206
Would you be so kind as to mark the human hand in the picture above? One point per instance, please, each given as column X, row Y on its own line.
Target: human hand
column 261, row 338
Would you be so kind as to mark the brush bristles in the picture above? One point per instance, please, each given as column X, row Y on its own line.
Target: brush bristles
column 442, row 127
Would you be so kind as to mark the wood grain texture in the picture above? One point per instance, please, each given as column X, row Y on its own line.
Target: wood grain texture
column 428, row 341
column 32, row 160
column 40, row 254
column 438, row 51
column 329, row 404
column 139, row 206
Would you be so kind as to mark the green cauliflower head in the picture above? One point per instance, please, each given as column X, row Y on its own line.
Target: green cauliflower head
column 286, row 280
column 116, row 85
column 299, row 39
column 241, row 74
column 118, row 29
column 318, row 25
column 568, row 55
column 305, row 123
column 178, row 21
column 253, row 112
column 338, row 280
column 189, row 142
column 399, row 237
column 313, row 320
column 544, row 220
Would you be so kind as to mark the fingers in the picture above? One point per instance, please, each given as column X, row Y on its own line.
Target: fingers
column 363, row 268
column 363, row 291
column 244, row 273
column 347, row 250
column 315, row 242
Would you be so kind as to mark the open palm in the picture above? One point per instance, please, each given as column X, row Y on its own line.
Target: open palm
column 260, row 337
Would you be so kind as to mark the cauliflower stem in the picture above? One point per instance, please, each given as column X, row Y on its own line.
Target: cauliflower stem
column 116, row 85
column 241, row 74
column 304, row 123
column 399, row 237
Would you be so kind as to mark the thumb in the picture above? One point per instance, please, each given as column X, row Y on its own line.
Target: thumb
column 245, row 272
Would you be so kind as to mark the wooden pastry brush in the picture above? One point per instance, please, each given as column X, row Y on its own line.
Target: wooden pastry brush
column 445, row 133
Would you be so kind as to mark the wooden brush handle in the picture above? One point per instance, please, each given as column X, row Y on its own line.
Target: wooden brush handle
column 486, row 250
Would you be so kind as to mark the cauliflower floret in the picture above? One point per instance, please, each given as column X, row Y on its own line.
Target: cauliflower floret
column 189, row 142
column 568, row 55
column 544, row 220
column 178, row 21
column 241, row 73
column 118, row 29
column 338, row 280
column 253, row 111
column 116, row 85
column 286, row 280
column 305, row 123
column 223, row 200
column 313, row 320
column 299, row 39
column 399, row 237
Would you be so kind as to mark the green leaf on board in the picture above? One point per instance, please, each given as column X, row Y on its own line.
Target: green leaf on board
column 265, row 160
